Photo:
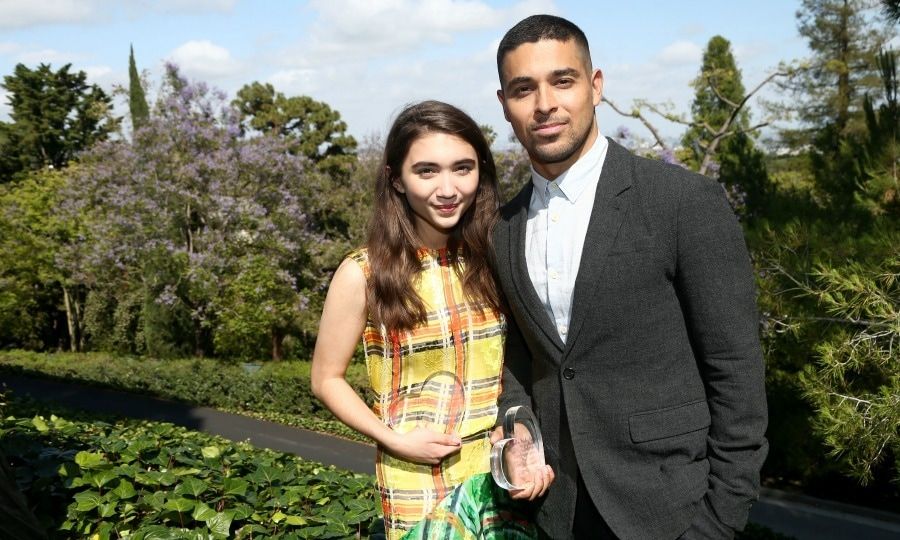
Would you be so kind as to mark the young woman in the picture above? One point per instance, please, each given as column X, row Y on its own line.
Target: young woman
column 422, row 296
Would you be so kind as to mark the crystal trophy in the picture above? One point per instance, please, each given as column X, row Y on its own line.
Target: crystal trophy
column 520, row 453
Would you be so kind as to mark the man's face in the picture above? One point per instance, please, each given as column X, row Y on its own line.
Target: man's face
column 548, row 95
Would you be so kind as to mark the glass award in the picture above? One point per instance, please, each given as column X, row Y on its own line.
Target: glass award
column 520, row 453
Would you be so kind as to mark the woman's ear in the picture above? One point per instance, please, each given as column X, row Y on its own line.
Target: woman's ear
column 396, row 183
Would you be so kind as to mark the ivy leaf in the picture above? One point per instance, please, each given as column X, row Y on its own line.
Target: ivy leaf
column 125, row 489
column 89, row 460
column 101, row 478
column 211, row 452
column 235, row 486
column 202, row 512
column 40, row 424
column 191, row 486
column 278, row 516
column 295, row 520
column 87, row 500
column 180, row 504
column 220, row 524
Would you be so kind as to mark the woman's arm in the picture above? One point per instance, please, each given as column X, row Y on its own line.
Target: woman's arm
column 342, row 324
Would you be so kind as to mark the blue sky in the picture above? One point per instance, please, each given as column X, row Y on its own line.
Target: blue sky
column 367, row 58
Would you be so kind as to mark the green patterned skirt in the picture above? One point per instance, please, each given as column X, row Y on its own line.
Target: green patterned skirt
column 477, row 509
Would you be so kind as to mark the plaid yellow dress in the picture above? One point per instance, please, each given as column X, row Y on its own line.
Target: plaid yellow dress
column 445, row 375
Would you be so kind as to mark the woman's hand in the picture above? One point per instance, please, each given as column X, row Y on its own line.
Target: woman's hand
column 422, row 445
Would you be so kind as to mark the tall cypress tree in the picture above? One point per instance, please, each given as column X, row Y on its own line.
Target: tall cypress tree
column 137, row 101
column 718, row 87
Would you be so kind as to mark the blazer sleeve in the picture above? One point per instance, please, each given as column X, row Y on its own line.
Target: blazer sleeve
column 516, row 378
column 715, row 285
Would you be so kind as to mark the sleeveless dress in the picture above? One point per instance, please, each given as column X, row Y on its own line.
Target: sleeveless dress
column 444, row 375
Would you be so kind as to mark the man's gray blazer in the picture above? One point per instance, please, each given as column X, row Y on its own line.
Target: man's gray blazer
column 661, row 378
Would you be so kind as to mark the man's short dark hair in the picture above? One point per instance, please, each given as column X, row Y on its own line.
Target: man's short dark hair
column 540, row 27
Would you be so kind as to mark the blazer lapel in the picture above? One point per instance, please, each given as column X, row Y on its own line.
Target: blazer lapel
column 610, row 206
column 519, row 270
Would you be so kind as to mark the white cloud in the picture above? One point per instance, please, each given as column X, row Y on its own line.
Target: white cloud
column 8, row 48
column 363, row 29
column 294, row 82
column 681, row 52
column 21, row 14
column 28, row 13
column 205, row 60
column 47, row 56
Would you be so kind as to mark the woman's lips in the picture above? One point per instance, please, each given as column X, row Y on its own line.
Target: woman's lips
column 446, row 208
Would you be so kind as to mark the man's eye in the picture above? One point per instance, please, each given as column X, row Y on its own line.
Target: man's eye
column 565, row 83
column 521, row 90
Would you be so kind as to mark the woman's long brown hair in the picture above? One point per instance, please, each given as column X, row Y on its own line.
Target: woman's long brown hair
column 393, row 244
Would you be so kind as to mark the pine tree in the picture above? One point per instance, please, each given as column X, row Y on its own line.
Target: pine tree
column 844, row 37
column 55, row 114
column 137, row 101
column 718, row 88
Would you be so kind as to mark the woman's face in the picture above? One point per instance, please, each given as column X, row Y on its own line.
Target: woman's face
column 439, row 178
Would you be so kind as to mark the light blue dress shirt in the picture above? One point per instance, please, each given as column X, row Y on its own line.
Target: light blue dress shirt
column 558, row 217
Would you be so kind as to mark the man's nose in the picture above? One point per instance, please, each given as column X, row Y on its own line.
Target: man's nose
column 546, row 101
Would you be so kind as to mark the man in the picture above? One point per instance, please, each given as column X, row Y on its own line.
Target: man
column 632, row 327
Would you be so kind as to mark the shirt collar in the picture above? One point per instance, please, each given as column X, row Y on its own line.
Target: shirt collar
column 583, row 173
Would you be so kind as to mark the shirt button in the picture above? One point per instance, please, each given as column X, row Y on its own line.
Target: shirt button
column 569, row 373
column 554, row 217
column 563, row 329
column 553, row 274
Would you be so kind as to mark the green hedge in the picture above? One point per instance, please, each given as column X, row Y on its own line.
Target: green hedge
column 89, row 478
column 279, row 391
column 281, row 387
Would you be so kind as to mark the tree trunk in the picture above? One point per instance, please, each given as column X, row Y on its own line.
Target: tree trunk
column 277, row 345
column 70, row 321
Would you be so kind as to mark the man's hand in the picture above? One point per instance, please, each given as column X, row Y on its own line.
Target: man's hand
column 422, row 445
column 540, row 481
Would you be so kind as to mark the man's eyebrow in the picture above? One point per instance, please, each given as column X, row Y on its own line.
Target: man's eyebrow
column 566, row 72
column 556, row 73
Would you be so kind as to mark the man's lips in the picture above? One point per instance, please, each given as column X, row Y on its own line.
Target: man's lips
column 549, row 128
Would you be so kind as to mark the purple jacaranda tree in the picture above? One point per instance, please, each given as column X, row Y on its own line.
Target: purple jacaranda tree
column 175, row 214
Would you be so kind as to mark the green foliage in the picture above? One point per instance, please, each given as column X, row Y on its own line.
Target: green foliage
column 314, row 129
column 794, row 260
column 856, row 385
column 32, row 231
column 281, row 388
column 844, row 37
column 256, row 310
column 91, row 478
column 137, row 101
column 878, row 154
column 55, row 114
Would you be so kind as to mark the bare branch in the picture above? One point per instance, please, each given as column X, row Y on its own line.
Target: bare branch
column 636, row 113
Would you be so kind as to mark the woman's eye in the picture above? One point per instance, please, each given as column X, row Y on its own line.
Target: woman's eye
column 427, row 172
column 463, row 170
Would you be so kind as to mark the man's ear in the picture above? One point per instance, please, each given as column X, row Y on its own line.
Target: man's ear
column 597, row 86
column 502, row 100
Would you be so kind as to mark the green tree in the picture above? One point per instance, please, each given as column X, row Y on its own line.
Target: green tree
column 719, row 89
column 878, row 154
column 844, row 37
column 137, row 101
column 54, row 115
column 313, row 128
column 36, row 292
